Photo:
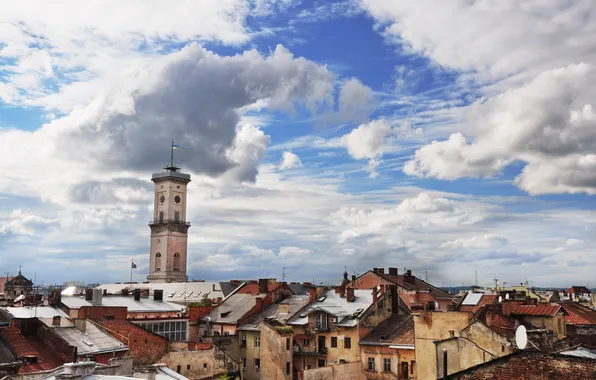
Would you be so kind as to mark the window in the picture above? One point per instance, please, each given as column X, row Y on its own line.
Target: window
column 371, row 364
column 161, row 216
column 287, row 368
column 306, row 342
column 178, row 369
column 333, row 342
column 347, row 342
column 243, row 341
column 257, row 341
column 412, row 367
column 176, row 261
column 560, row 327
column 342, row 361
column 188, row 367
column 244, row 362
column 386, row 364
column 288, row 344
column 321, row 363
column 321, row 322
column 257, row 364
column 177, row 216
column 204, row 365
column 158, row 262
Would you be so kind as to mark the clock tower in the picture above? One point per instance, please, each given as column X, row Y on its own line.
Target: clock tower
column 169, row 228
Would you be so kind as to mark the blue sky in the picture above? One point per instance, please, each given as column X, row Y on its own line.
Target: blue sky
column 319, row 135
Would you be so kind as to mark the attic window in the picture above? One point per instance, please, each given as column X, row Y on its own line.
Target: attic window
column 225, row 314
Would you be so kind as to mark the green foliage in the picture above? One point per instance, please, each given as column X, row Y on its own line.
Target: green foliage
column 226, row 376
column 284, row 329
column 204, row 302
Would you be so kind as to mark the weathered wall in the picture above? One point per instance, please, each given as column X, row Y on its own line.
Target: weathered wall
column 193, row 364
column 350, row 371
column 96, row 313
column 275, row 354
column 526, row 365
column 555, row 324
column 397, row 358
column 144, row 346
column 582, row 334
column 430, row 327
column 250, row 352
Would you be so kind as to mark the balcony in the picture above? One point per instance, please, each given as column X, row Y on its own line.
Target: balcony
column 309, row 351
column 168, row 221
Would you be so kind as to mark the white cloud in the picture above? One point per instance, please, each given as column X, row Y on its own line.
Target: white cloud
column 548, row 123
column 367, row 141
column 475, row 242
column 21, row 222
column 290, row 161
column 355, row 101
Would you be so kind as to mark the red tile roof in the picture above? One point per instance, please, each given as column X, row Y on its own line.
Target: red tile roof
column 253, row 288
column 396, row 329
column 579, row 314
column 417, row 285
column 486, row 299
column 535, row 310
column 23, row 347
column 579, row 290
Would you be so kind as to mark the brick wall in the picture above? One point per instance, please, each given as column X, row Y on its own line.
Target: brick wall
column 96, row 313
column 582, row 334
column 526, row 365
column 197, row 312
column 144, row 346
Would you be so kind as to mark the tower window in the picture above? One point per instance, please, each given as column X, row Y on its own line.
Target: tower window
column 176, row 261
column 161, row 216
column 158, row 262
column 177, row 216
column 177, row 199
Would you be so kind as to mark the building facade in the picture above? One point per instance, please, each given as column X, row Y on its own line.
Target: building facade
column 169, row 227
column 18, row 286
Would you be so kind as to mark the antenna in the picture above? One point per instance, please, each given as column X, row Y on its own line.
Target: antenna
column 425, row 276
column 521, row 337
column 476, row 274
column 496, row 280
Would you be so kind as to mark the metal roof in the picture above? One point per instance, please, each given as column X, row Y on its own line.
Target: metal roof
column 177, row 291
column 92, row 341
column 145, row 304
column 580, row 352
column 472, row 299
column 295, row 302
column 232, row 309
column 332, row 303
column 34, row 312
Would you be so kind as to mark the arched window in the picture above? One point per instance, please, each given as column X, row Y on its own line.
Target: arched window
column 158, row 262
column 176, row 261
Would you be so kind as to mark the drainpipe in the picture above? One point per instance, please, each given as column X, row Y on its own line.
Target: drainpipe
column 445, row 376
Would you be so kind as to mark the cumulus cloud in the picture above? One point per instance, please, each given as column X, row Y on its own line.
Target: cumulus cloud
column 355, row 101
column 21, row 222
column 475, row 242
column 367, row 141
column 290, row 161
column 548, row 123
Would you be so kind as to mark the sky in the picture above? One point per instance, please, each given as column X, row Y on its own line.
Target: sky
column 321, row 136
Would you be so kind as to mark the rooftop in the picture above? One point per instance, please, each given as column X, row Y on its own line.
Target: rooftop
column 475, row 301
column 294, row 303
column 32, row 312
column 510, row 308
column 232, row 309
column 395, row 330
column 332, row 303
column 7, row 356
column 179, row 291
column 92, row 341
column 578, row 314
column 145, row 304
column 30, row 347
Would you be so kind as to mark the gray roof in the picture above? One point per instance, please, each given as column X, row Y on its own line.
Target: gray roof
column 296, row 302
column 299, row 288
column 33, row 312
column 232, row 309
column 146, row 304
column 580, row 352
column 92, row 341
column 162, row 373
column 339, row 307
column 176, row 291
column 7, row 356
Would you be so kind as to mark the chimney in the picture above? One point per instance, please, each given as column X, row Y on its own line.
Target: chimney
column 219, row 300
column 259, row 302
column 214, row 287
column 375, row 270
column 375, row 296
column 56, row 320
column 137, row 294
column 125, row 292
column 313, row 294
column 97, row 297
column 81, row 324
column 350, row 295
column 158, row 295
column 409, row 278
column 353, row 278
column 393, row 271
column 394, row 299
column 451, row 333
column 381, row 270
column 263, row 285
column 89, row 295
column 338, row 289
column 342, row 292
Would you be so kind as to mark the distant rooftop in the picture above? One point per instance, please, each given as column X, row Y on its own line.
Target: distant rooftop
column 145, row 304
column 277, row 312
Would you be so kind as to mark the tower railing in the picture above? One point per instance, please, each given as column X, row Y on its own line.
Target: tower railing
column 168, row 221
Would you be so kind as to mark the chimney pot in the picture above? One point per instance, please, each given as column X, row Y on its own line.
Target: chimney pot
column 213, row 287
column 408, row 272
column 313, row 294
column 263, row 285
column 353, row 278
column 158, row 295
column 137, row 294
column 375, row 270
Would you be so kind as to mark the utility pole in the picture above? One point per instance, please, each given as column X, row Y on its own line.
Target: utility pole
column 426, row 276
column 496, row 280
column 476, row 274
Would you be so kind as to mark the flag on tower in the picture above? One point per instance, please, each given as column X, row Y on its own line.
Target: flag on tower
column 175, row 147
column 134, row 266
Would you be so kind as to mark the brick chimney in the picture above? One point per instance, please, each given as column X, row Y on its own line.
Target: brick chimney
column 393, row 271
column 342, row 292
column 380, row 270
column 350, row 294
column 409, row 278
column 259, row 303
column 313, row 294
column 81, row 324
column 137, row 294
column 56, row 320
column 263, row 285
column 89, row 295
column 158, row 295
column 375, row 295
column 394, row 299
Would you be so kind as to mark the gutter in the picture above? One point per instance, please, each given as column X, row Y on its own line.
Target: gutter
column 403, row 346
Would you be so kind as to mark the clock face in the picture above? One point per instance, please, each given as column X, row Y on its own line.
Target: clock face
column 177, row 199
column 162, row 199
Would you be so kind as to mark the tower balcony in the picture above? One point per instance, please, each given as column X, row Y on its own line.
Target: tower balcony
column 171, row 225
column 168, row 221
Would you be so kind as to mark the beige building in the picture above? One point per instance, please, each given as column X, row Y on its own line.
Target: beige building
column 169, row 227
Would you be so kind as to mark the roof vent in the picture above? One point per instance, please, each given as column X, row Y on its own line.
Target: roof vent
column 321, row 299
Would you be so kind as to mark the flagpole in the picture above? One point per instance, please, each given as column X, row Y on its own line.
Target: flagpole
column 131, row 262
column 172, row 154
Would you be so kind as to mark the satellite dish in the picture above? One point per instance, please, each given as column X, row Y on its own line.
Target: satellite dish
column 500, row 299
column 378, row 287
column 507, row 296
column 521, row 337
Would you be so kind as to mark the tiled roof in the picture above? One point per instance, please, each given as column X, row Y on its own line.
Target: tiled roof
column 579, row 290
column 7, row 356
column 23, row 347
column 578, row 314
column 418, row 285
column 397, row 329
column 253, row 288
column 486, row 299
column 295, row 304
column 535, row 310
